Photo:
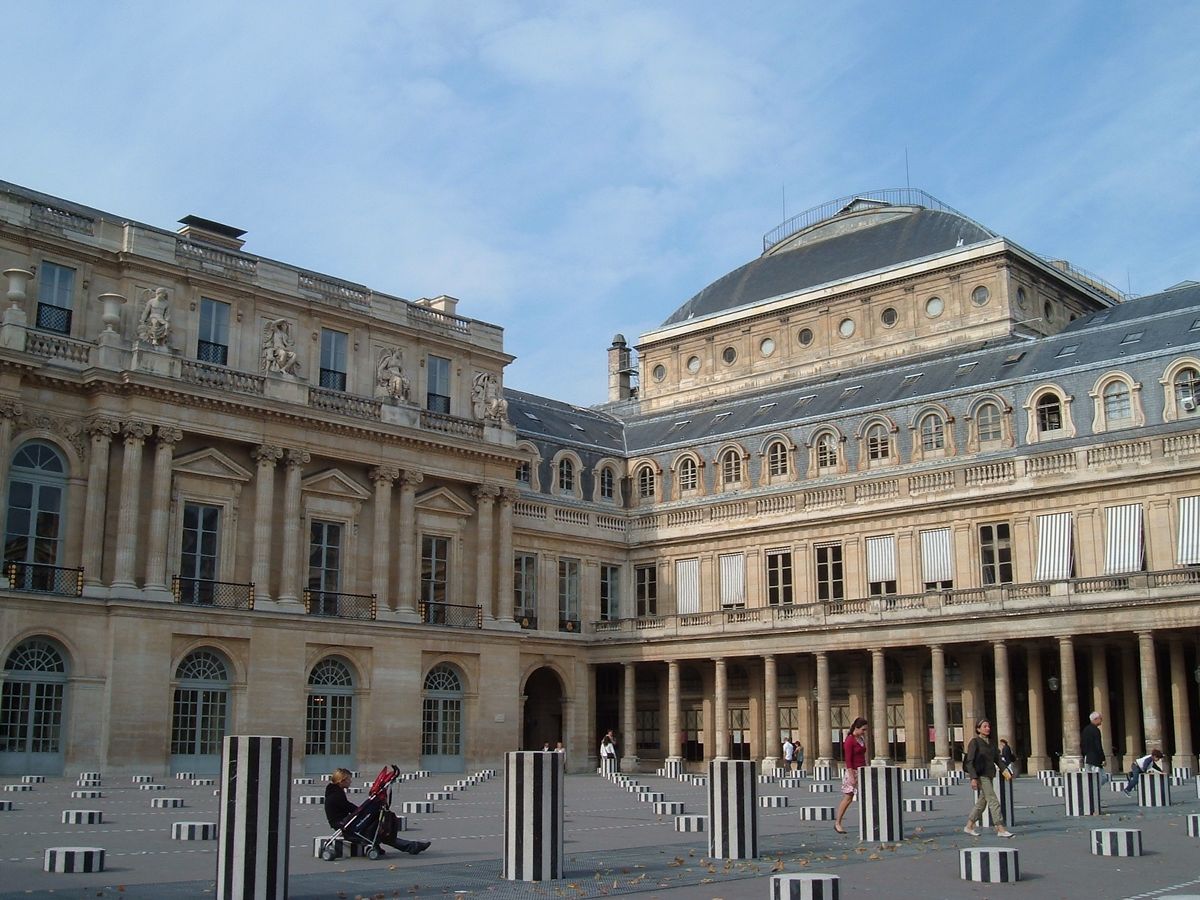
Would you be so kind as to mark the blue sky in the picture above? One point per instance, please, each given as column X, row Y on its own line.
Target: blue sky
column 571, row 170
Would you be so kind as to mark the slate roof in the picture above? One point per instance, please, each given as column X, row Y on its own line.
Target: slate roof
column 923, row 233
column 540, row 418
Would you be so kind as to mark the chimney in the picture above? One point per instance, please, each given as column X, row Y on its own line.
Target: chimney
column 441, row 303
column 619, row 370
column 206, row 231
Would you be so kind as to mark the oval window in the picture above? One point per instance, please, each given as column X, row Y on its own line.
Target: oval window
column 980, row 295
column 889, row 316
column 846, row 328
column 728, row 355
column 693, row 364
column 934, row 307
column 767, row 347
column 805, row 337
column 660, row 372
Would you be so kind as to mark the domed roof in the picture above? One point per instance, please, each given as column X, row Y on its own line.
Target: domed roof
column 862, row 237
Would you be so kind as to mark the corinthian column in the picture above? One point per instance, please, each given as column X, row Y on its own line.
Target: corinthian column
column 381, row 564
column 720, row 710
column 941, row 714
column 166, row 437
column 1072, row 759
column 101, row 431
column 265, row 457
column 504, row 559
column 408, row 543
column 485, row 499
column 629, row 756
column 289, row 575
column 823, row 749
column 771, row 742
column 879, row 743
column 135, row 434
column 673, row 743
column 1151, row 724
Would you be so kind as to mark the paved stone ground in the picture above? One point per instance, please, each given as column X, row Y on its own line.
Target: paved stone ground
column 615, row 845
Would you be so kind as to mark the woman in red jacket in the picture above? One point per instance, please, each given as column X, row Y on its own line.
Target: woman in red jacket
column 854, row 757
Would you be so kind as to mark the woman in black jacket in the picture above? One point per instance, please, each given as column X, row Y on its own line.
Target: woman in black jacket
column 338, row 809
column 979, row 762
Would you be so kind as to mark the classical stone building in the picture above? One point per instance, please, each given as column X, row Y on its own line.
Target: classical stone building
column 896, row 466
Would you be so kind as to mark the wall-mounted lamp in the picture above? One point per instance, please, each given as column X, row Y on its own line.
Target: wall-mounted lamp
column 1052, row 683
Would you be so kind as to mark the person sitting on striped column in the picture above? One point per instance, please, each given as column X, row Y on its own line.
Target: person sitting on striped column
column 1142, row 765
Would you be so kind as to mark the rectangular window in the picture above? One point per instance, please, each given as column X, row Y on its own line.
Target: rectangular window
column 333, row 359
column 831, row 583
column 881, row 565
column 437, row 390
column 610, row 593
column 789, row 724
column 525, row 590
column 693, row 735
column 213, row 343
column 1056, row 559
column 1124, row 551
column 435, row 569
column 198, row 556
column 733, row 580
column 647, row 729
column 324, row 566
column 937, row 560
column 56, row 294
column 568, row 595
column 1189, row 531
column 779, row 577
column 995, row 554
column 687, row 586
column 646, row 588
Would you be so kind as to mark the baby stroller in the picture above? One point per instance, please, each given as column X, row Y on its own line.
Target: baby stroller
column 370, row 824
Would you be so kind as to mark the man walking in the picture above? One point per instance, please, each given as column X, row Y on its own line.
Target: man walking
column 1092, row 744
column 789, row 754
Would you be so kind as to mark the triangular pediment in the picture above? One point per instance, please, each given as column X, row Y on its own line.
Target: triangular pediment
column 444, row 500
column 335, row 483
column 210, row 463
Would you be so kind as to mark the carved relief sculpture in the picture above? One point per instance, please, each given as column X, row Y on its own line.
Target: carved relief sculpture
column 487, row 400
column 390, row 379
column 278, row 348
column 154, row 324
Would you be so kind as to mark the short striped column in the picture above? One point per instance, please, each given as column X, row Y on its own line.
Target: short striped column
column 823, row 773
column 1193, row 825
column 335, row 848
column 652, row 797
column 82, row 817
column 33, row 779
column 166, row 802
column 772, row 801
column 18, row 788
column 690, row 823
column 417, row 807
column 440, row 795
column 193, row 831
column 184, row 776
column 89, row 776
column 936, row 790
column 820, row 787
column 880, row 813
column 668, row 808
column 1116, row 842
column 1045, row 776
column 86, row 795
column 88, row 782
column 73, row 859
column 203, row 782
column 6, row 805
column 806, row 886
column 255, row 817
column 1183, row 772
column 918, row 804
column 608, row 765
column 991, row 865
column 1154, row 789
column 143, row 779
column 533, row 816
column 790, row 782
column 818, row 813
column 914, row 774
column 1081, row 793
column 1008, row 810
column 732, row 809
column 312, row 799
column 673, row 768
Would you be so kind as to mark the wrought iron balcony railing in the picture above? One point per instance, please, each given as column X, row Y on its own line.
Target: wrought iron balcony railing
column 338, row 605
column 206, row 592
column 451, row 615
column 43, row 579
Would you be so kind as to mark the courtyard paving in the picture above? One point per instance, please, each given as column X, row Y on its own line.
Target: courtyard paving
column 615, row 845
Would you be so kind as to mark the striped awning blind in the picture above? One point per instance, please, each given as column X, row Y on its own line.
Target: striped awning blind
column 687, row 586
column 733, row 579
column 1054, row 547
column 881, row 558
column 937, row 560
column 1189, row 531
column 1123, row 549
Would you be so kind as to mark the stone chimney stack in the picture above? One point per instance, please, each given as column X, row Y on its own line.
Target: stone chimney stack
column 619, row 370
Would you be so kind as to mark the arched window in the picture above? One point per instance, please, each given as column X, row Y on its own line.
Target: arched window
column 329, row 720
column 1117, row 406
column 607, row 483
column 1187, row 390
column 31, row 709
column 1049, row 413
column 827, row 451
column 777, row 459
column 200, row 711
column 988, row 424
column 33, row 537
column 688, row 477
column 933, row 432
column 646, row 483
column 731, row 467
column 566, row 476
column 879, row 443
column 441, row 720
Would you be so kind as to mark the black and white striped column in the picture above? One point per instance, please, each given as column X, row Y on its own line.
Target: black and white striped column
column 1116, row 842
column 608, row 765
column 533, row 816
column 1008, row 810
column 991, row 865
column 673, row 768
column 880, row 812
column 732, row 809
column 256, row 777
column 806, row 886
column 1081, row 793
column 1154, row 789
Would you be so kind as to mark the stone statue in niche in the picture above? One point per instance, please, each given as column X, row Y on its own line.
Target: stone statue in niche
column 278, row 348
column 154, row 324
column 487, row 400
column 390, row 378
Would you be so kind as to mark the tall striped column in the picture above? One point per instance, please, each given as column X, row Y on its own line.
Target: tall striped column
column 1081, row 793
column 1008, row 809
column 880, row 811
column 732, row 809
column 533, row 816
column 256, row 777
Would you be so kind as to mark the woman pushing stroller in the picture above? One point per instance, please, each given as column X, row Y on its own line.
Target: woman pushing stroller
column 373, row 822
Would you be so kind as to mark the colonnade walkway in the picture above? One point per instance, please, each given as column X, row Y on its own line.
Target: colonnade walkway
column 615, row 845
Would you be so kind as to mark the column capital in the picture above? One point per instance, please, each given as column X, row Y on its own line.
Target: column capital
column 411, row 477
column 266, row 455
column 383, row 476
column 11, row 409
column 296, row 458
column 166, row 435
column 101, row 427
column 485, row 493
column 135, row 432
column 509, row 496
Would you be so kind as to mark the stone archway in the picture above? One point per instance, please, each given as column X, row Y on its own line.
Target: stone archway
column 542, row 717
